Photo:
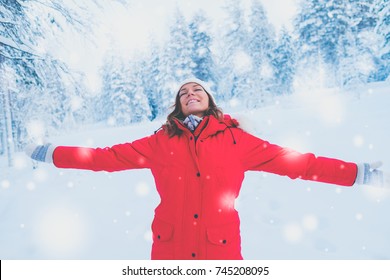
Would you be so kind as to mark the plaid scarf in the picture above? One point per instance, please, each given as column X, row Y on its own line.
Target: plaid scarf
column 192, row 122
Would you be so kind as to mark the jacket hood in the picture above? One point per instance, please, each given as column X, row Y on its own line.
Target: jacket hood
column 229, row 121
column 209, row 126
column 213, row 125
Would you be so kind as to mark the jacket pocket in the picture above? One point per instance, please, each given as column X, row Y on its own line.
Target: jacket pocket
column 163, row 246
column 224, row 242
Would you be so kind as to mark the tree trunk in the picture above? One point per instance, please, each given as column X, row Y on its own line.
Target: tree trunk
column 8, row 128
column 9, row 141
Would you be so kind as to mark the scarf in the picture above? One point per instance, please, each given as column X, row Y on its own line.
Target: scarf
column 192, row 122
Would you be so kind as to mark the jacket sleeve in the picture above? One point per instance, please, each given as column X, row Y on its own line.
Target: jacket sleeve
column 135, row 155
column 260, row 155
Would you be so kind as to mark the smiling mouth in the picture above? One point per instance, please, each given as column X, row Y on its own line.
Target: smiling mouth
column 192, row 101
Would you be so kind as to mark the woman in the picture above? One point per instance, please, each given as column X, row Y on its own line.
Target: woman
column 198, row 160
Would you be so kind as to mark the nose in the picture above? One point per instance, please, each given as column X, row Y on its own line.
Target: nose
column 190, row 93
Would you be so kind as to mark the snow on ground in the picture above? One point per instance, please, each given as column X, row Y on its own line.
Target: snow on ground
column 49, row 213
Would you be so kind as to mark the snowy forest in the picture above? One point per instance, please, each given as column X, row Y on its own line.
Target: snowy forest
column 332, row 44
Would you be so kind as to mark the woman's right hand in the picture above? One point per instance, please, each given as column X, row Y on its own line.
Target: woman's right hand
column 42, row 153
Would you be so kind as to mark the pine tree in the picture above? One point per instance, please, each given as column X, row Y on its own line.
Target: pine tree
column 115, row 97
column 29, row 34
column 203, row 63
column 261, row 78
column 17, row 56
column 151, row 81
column 179, row 49
column 233, row 58
column 382, row 8
column 320, row 26
column 283, row 62
column 261, row 36
column 139, row 103
column 175, row 61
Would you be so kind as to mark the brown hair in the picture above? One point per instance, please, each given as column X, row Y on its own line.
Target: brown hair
column 170, row 126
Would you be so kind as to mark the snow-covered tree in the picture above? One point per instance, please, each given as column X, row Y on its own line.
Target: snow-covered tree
column 261, row 38
column 284, row 63
column 233, row 57
column 30, row 35
column 140, row 108
column 319, row 25
column 124, row 100
column 175, row 61
column 6, row 85
column 114, row 103
column 351, row 63
column 202, row 57
column 179, row 48
column 152, row 79
column 261, row 35
column 382, row 8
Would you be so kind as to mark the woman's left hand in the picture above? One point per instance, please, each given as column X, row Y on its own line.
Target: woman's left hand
column 370, row 174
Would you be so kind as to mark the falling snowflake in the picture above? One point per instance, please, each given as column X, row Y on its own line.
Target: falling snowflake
column 36, row 130
column 148, row 236
column 310, row 222
column 31, row 186
column 59, row 232
column 20, row 162
column 111, row 121
column 5, row 184
column 359, row 216
column 227, row 201
column 142, row 189
column 358, row 141
column 40, row 175
column 293, row 233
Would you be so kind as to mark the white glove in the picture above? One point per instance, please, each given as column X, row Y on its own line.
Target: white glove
column 42, row 153
column 369, row 174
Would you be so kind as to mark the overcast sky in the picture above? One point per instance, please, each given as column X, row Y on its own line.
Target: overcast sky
column 152, row 17
column 131, row 29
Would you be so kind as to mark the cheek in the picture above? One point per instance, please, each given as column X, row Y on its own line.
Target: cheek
column 181, row 103
column 206, row 100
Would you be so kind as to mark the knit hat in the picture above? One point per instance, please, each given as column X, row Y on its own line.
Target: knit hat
column 203, row 84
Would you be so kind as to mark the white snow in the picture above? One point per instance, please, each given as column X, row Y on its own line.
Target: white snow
column 49, row 213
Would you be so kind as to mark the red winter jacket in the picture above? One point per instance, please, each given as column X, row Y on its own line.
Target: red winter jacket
column 198, row 177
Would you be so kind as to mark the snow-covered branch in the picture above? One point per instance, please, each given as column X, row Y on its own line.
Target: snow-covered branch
column 20, row 47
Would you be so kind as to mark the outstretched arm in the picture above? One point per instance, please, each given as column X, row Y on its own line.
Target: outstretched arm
column 261, row 155
column 118, row 157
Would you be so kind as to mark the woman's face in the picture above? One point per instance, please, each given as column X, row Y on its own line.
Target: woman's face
column 193, row 99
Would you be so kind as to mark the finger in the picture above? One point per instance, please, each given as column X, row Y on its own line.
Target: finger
column 29, row 149
column 375, row 165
